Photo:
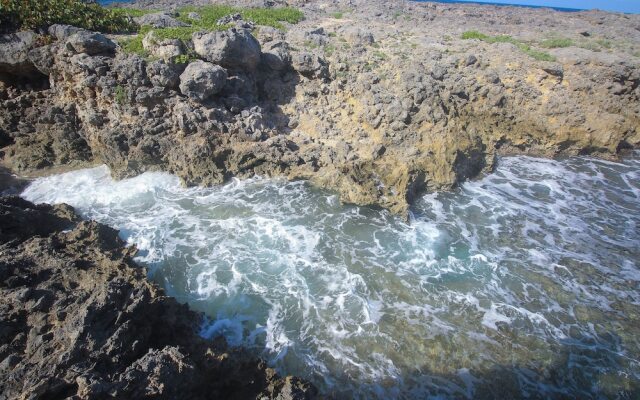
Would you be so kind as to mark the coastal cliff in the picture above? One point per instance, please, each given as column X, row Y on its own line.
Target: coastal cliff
column 376, row 100
column 379, row 101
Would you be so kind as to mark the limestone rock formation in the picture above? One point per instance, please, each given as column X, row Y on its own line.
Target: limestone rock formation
column 380, row 105
column 231, row 49
column 201, row 80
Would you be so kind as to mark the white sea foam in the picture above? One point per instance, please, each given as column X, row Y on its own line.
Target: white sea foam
column 534, row 265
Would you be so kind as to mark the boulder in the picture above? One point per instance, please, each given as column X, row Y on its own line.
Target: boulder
column 358, row 36
column 62, row 32
column 42, row 58
column 91, row 43
column 276, row 55
column 201, row 80
column 162, row 74
column 165, row 49
column 159, row 20
column 14, row 51
column 310, row 65
column 236, row 49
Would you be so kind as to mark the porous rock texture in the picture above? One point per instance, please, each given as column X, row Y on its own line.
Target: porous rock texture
column 79, row 320
column 378, row 100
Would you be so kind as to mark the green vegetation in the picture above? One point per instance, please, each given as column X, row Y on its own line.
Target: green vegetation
column 208, row 21
column 120, row 95
column 40, row 14
column 209, row 16
column 329, row 50
column 525, row 48
column 131, row 12
column 337, row 15
column 604, row 43
column 381, row 55
column 556, row 43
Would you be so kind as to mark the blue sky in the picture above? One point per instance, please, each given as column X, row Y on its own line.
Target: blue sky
column 629, row 6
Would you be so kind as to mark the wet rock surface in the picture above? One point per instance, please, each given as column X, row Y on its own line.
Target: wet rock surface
column 376, row 100
column 79, row 320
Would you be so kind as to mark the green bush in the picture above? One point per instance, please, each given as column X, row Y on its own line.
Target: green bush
column 337, row 15
column 40, row 14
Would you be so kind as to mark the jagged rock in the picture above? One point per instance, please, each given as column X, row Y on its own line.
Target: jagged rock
column 358, row 36
column 310, row 65
column 276, row 55
column 201, row 80
column 14, row 51
column 163, row 75
column 236, row 49
column 62, row 32
column 42, row 58
column 165, row 49
column 91, row 43
column 159, row 20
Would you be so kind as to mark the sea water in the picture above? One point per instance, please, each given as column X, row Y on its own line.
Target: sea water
column 522, row 284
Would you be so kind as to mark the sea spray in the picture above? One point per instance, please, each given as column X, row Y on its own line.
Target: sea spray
column 525, row 281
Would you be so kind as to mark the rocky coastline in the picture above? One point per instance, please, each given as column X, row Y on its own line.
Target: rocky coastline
column 379, row 101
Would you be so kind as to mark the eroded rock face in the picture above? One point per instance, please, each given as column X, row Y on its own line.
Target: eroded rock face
column 14, row 51
column 80, row 320
column 380, row 105
column 201, row 80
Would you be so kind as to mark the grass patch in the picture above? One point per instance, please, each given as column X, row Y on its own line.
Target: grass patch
column 120, row 95
column 40, row 14
column 337, row 15
column 208, row 21
column 329, row 50
column 524, row 47
column 604, row 43
column 131, row 12
column 209, row 15
column 556, row 43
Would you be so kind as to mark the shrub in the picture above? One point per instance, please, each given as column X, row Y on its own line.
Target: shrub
column 337, row 15
column 120, row 95
column 40, row 14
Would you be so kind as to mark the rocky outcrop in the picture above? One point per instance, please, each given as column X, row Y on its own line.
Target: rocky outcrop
column 201, row 80
column 79, row 320
column 231, row 49
column 381, row 104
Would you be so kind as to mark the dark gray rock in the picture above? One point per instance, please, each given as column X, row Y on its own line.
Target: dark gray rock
column 276, row 55
column 62, row 32
column 231, row 49
column 14, row 51
column 91, row 43
column 201, row 80
column 162, row 74
column 310, row 65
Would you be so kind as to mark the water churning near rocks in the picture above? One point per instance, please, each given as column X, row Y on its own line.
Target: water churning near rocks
column 525, row 281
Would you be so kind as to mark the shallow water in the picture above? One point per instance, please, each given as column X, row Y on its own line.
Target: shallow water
column 522, row 284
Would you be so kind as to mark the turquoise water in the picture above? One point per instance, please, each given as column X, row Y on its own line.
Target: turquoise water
column 523, row 284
